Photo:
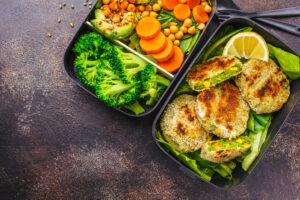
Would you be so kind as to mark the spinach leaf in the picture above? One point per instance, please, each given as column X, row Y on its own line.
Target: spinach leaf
column 191, row 163
column 288, row 62
column 193, row 160
column 187, row 44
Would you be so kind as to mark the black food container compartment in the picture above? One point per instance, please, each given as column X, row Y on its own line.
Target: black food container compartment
column 239, row 175
column 69, row 59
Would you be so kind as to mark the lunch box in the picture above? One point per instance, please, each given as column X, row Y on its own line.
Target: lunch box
column 69, row 59
column 239, row 175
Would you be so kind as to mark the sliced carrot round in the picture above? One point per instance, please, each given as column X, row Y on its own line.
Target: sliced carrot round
column 154, row 45
column 169, row 4
column 174, row 63
column 199, row 14
column 193, row 3
column 148, row 28
column 182, row 11
column 166, row 53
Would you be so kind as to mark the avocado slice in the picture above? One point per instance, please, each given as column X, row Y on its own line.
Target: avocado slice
column 114, row 30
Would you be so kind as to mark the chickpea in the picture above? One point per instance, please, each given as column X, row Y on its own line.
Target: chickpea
column 106, row 10
column 156, row 7
column 183, row 29
column 116, row 18
column 179, row 35
column 153, row 14
column 113, row 5
column 148, row 8
column 145, row 14
column 131, row 46
column 201, row 26
column 105, row 2
column 159, row 3
column 131, row 8
column 176, row 42
column 204, row 3
column 124, row 4
column 192, row 30
column 187, row 22
column 172, row 37
column 173, row 29
column 167, row 31
column 182, row 1
column 172, row 24
column 141, row 8
column 105, row 7
column 207, row 8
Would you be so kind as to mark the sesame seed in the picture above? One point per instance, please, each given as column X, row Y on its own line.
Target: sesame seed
column 58, row 20
column 64, row 4
column 60, row 6
column 84, row 4
column 72, row 25
column 72, row 6
column 90, row 3
column 90, row 7
column 49, row 34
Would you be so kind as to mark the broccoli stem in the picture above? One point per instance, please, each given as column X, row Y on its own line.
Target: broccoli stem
column 135, row 107
column 162, row 81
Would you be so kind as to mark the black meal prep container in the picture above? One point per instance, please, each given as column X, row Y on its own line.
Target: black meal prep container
column 239, row 175
column 69, row 58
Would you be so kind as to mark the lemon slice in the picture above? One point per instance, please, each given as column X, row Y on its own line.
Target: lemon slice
column 247, row 45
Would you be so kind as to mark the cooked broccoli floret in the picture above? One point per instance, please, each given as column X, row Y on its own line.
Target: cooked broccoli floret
column 135, row 107
column 117, row 77
column 153, row 85
column 92, row 43
column 127, row 65
column 88, row 49
column 112, row 90
column 87, row 69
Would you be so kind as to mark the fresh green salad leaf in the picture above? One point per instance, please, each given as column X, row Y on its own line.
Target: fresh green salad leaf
column 98, row 4
column 152, row 2
column 191, row 163
column 187, row 44
column 217, row 44
column 135, row 40
column 250, row 123
column 288, row 62
column 193, row 160
column 184, row 88
column 257, row 139
column 168, row 14
column 262, row 119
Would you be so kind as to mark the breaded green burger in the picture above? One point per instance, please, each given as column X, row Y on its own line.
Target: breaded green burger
column 213, row 72
column 222, row 110
column 263, row 85
column 180, row 125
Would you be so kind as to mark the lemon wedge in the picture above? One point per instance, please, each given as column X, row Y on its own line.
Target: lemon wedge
column 247, row 45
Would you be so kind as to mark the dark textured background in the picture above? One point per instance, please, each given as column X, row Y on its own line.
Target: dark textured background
column 58, row 142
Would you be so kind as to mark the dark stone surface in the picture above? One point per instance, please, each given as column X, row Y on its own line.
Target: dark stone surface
column 58, row 142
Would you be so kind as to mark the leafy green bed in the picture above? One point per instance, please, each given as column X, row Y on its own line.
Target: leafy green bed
column 257, row 126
